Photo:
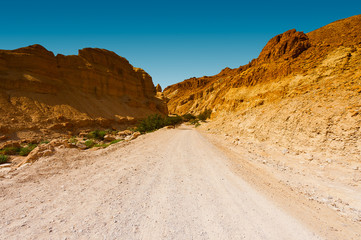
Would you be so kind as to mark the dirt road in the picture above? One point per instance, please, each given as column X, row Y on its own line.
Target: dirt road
column 171, row 184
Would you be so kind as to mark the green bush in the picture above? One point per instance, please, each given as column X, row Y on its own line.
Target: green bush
column 3, row 158
column 194, row 121
column 24, row 151
column 187, row 117
column 104, row 145
column 151, row 123
column 205, row 114
column 115, row 141
column 174, row 120
column 89, row 143
column 156, row 121
column 10, row 151
column 97, row 134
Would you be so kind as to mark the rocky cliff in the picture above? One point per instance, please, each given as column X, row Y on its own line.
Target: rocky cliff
column 302, row 92
column 41, row 93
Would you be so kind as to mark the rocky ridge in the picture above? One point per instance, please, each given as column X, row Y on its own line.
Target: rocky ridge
column 301, row 93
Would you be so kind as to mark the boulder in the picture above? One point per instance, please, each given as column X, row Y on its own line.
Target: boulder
column 42, row 150
column 133, row 136
column 83, row 134
column 109, row 138
column 81, row 145
column 125, row 133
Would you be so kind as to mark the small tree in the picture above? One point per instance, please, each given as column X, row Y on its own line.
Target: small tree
column 151, row 123
column 187, row 117
column 205, row 114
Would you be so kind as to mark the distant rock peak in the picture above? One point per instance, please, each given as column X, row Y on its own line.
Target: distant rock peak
column 289, row 44
column 158, row 88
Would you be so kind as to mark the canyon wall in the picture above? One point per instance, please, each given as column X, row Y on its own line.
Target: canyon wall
column 303, row 92
column 42, row 94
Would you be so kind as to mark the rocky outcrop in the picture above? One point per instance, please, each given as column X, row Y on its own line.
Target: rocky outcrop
column 41, row 93
column 287, row 45
column 301, row 90
column 158, row 88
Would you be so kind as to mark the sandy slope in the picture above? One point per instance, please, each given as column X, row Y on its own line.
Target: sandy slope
column 171, row 184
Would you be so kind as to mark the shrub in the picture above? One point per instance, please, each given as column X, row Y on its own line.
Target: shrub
column 24, row 151
column 156, row 121
column 104, row 145
column 89, row 143
column 187, row 117
column 115, row 141
column 10, row 151
column 73, row 140
column 3, row 158
column 194, row 121
column 97, row 134
column 151, row 123
column 205, row 114
column 174, row 120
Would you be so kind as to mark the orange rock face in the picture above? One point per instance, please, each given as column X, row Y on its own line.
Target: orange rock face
column 40, row 92
column 285, row 55
column 302, row 90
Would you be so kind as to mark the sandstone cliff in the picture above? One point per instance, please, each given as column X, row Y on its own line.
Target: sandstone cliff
column 41, row 93
column 302, row 92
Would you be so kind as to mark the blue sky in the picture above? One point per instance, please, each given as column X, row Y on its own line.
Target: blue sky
column 171, row 40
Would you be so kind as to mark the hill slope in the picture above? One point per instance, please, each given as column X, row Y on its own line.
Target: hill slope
column 42, row 94
column 302, row 92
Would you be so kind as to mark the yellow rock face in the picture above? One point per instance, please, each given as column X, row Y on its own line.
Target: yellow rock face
column 303, row 90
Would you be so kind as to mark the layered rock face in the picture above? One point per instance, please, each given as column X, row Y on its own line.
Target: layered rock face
column 302, row 92
column 42, row 93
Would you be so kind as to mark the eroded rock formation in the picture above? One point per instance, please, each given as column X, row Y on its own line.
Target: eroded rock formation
column 303, row 91
column 42, row 93
column 158, row 88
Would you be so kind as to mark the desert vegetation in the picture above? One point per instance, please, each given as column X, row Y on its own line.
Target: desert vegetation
column 205, row 114
column 3, row 158
column 18, row 150
column 97, row 134
column 99, row 138
column 15, row 150
column 157, row 121
column 84, row 140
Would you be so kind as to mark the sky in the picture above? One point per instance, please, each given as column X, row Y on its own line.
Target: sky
column 171, row 40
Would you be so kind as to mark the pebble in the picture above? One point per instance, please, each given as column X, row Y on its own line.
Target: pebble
column 5, row 165
column 309, row 157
